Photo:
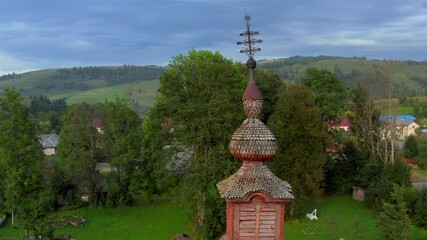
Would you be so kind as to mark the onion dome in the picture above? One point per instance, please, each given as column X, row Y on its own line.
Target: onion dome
column 253, row 141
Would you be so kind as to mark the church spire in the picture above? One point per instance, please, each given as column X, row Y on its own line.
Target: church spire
column 254, row 193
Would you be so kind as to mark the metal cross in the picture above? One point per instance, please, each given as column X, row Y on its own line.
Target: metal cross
column 250, row 41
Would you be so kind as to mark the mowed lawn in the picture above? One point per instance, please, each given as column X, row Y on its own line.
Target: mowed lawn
column 339, row 217
column 154, row 222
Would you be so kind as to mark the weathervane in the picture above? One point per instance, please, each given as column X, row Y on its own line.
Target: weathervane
column 250, row 41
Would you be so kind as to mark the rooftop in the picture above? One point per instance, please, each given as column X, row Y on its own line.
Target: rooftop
column 254, row 178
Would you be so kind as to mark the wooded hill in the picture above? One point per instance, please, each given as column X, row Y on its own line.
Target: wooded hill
column 65, row 80
column 409, row 77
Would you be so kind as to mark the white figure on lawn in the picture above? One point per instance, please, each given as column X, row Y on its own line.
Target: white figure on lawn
column 312, row 215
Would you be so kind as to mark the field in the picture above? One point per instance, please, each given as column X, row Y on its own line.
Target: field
column 155, row 222
column 339, row 216
column 143, row 93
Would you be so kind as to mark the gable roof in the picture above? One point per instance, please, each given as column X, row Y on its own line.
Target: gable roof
column 408, row 118
column 97, row 122
column 345, row 122
column 49, row 140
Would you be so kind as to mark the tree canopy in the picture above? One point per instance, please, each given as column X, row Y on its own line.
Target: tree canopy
column 122, row 144
column 410, row 147
column 78, row 147
column 201, row 95
column 301, row 138
column 21, row 161
column 329, row 92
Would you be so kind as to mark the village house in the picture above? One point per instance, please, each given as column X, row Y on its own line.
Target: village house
column 49, row 143
column 403, row 124
column 345, row 124
column 98, row 124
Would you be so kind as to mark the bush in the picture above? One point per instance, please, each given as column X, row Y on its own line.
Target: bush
column 343, row 170
column 420, row 209
column 378, row 181
column 410, row 148
column 393, row 221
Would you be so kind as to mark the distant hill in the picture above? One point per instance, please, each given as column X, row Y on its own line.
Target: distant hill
column 70, row 80
column 406, row 75
column 95, row 84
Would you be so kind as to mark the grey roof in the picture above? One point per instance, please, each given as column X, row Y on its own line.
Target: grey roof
column 49, row 140
column 180, row 161
column 253, row 178
column 397, row 122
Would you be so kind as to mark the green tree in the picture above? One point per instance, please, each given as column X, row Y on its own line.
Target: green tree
column 77, row 149
column 343, row 168
column 410, row 147
column 202, row 94
column 122, row 144
column 420, row 208
column 378, row 178
column 155, row 156
column 393, row 221
column 329, row 92
column 21, row 165
column 301, row 138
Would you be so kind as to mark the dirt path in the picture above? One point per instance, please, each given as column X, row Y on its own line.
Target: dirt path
column 418, row 177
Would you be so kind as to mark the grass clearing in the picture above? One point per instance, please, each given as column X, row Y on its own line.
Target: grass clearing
column 154, row 222
column 423, row 171
column 405, row 110
column 143, row 92
column 339, row 217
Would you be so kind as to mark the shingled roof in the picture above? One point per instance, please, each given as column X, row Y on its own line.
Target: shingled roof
column 49, row 140
column 254, row 178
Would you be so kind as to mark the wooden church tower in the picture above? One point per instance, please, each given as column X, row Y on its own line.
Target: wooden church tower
column 255, row 197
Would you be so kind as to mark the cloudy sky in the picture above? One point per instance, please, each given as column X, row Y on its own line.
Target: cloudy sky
column 40, row 34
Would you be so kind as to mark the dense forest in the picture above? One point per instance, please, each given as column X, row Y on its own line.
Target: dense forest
column 43, row 104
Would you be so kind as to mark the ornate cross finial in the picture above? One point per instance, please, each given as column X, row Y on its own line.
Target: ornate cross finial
column 250, row 50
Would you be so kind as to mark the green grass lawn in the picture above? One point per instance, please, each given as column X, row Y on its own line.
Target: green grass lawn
column 339, row 216
column 423, row 171
column 154, row 222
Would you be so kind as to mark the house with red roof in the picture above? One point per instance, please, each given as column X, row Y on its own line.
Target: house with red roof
column 345, row 124
column 98, row 124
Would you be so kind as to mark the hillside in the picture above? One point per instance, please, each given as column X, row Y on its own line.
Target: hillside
column 407, row 75
column 71, row 80
column 96, row 84
column 140, row 94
